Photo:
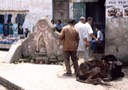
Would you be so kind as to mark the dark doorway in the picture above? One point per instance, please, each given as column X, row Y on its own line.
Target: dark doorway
column 97, row 11
column 94, row 9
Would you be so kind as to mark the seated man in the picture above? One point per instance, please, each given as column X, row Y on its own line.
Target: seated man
column 59, row 26
column 94, row 44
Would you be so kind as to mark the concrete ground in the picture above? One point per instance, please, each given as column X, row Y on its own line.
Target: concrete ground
column 2, row 55
column 49, row 77
column 2, row 88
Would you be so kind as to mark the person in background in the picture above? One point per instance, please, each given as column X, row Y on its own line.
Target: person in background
column 99, row 37
column 80, row 27
column 59, row 26
column 26, row 32
column 53, row 23
column 70, row 38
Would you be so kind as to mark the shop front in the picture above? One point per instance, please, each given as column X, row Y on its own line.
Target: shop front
column 11, row 26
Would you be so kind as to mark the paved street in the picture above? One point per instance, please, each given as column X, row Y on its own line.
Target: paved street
column 2, row 55
column 2, row 88
column 47, row 77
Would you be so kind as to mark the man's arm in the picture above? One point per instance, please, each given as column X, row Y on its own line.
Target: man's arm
column 93, row 36
column 77, row 38
column 61, row 37
column 91, row 33
column 87, row 44
column 62, row 34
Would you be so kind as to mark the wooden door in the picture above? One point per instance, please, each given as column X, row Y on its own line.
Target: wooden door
column 78, row 10
column 61, row 10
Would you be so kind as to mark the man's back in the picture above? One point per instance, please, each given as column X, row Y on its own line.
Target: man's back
column 70, row 38
column 80, row 27
column 89, row 29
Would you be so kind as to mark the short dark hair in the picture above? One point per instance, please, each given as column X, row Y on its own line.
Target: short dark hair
column 72, row 21
column 98, row 27
column 59, row 20
column 89, row 18
column 52, row 20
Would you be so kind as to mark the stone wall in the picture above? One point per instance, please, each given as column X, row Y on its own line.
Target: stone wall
column 116, row 38
column 43, row 41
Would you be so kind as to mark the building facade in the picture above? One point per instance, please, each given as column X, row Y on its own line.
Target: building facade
column 112, row 16
column 32, row 9
column 114, row 28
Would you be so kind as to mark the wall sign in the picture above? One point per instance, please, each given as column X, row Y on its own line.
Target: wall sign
column 116, row 8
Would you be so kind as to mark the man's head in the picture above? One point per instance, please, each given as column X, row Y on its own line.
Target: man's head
column 82, row 19
column 90, row 20
column 52, row 21
column 97, row 28
column 72, row 21
column 59, row 21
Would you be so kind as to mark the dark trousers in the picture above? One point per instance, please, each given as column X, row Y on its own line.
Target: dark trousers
column 67, row 55
column 94, row 44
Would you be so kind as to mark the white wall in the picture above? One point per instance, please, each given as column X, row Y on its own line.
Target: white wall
column 71, row 10
column 37, row 9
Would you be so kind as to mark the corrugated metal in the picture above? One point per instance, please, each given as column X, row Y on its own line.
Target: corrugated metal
column 85, row 0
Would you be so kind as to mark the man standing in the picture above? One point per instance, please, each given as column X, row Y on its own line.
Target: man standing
column 70, row 38
column 80, row 27
column 90, row 31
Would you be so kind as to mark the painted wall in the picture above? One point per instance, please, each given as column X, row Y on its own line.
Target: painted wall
column 116, row 36
column 37, row 9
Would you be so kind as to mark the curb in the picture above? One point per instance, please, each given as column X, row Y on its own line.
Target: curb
column 10, row 86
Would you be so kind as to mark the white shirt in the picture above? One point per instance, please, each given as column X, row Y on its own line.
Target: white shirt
column 80, row 27
column 100, row 35
column 89, row 29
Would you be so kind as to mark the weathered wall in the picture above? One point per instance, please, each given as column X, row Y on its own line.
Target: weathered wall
column 37, row 9
column 42, row 40
column 116, row 36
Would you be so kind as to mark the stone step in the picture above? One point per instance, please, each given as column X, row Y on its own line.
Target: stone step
column 41, row 54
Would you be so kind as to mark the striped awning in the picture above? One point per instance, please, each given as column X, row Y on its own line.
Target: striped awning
column 84, row 0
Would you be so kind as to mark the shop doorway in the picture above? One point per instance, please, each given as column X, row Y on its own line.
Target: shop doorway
column 94, row 9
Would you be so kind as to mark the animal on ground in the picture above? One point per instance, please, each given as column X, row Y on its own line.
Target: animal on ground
column 96, row 71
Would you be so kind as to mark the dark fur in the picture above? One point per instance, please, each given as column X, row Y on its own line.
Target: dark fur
column 95, row 71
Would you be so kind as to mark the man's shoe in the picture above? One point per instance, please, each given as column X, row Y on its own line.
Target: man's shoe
column 67, row 74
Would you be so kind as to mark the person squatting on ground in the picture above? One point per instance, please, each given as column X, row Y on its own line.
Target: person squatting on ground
column 99, row 37
column 80, row 27
column 70, row 38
